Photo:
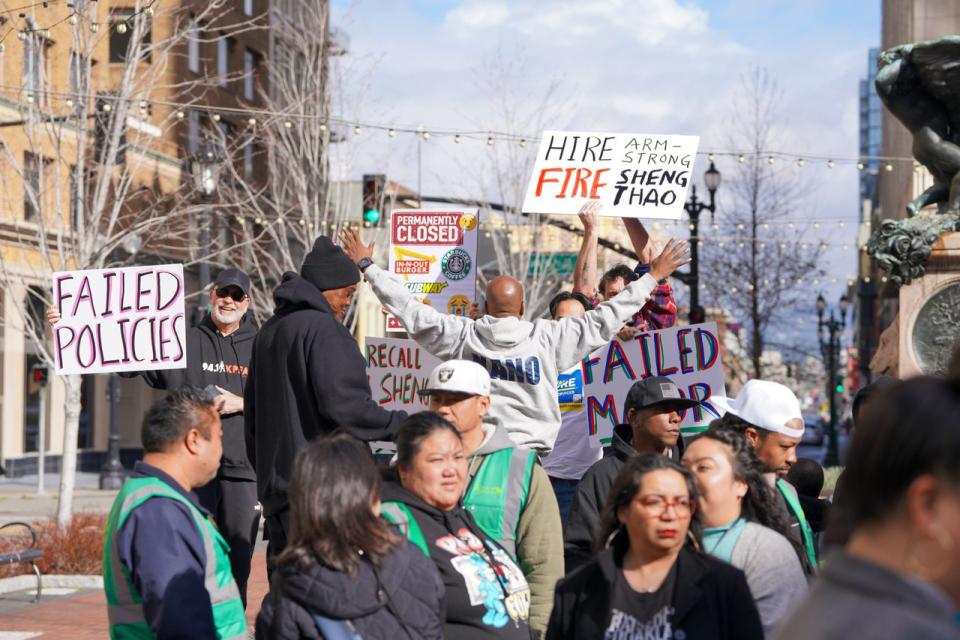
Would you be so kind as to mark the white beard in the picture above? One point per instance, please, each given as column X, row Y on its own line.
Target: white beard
column 226, row 317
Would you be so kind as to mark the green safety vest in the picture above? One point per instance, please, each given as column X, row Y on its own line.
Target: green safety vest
column 399, row 514
column 805, row 531
column 124, row 604
column 497, row 494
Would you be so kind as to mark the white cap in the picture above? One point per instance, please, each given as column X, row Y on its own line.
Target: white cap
column 459, row 376
column 764, row 404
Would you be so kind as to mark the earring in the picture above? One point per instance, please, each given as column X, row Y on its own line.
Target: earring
column 612, row 536
column 693, row 541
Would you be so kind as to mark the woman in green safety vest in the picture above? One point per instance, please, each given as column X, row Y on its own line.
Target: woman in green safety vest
column 768, row 415
column 743, row 524
column 487, row 595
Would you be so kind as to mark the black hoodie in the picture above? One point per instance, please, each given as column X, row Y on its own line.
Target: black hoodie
column 307, row 378
column 475, row 570
column 592, row 491
column 216, row 359
column 406, row 585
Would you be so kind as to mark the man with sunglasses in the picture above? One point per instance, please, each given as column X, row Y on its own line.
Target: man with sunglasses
column 218, row 359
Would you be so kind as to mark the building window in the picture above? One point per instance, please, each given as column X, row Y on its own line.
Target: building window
column 193, row 131
column 34, row 67
column 250, row 64
column 31, row 186
column 120, row 42
column 193, row 49
column 248, row 7
column 223, row 59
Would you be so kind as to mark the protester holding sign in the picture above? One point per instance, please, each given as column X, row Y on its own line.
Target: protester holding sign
column 217, row 363
column 768, row 415
column 524, row 358
column 652, row 411
column 307, row 378
column 506, row 491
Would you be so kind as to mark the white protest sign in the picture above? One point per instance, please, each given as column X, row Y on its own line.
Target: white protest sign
column 689, row 356
column 397, row 370
column 435, row 253
column 129, row 319
column 633, row 175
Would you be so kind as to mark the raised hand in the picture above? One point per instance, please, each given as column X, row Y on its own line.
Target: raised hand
column 675, row 254
column 353, row 246
column 590, row 215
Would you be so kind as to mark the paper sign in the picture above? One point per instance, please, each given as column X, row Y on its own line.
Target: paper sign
column 435, row 254
column 397, row 370
column 129, row 319
column 633, row 175
column 689, row 356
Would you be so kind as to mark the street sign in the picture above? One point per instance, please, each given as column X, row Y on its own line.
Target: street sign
column 560, row 263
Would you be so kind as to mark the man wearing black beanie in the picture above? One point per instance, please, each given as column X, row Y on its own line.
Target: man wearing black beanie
column 307, row 378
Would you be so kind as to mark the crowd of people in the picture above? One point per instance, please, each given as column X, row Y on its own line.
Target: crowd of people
column 495, row 518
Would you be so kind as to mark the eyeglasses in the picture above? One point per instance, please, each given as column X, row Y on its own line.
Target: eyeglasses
column 234, row 293
column 656, row 506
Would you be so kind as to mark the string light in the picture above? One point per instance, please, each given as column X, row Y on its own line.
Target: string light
column 73, row 20
column 252, row 122
column 94, row 27
column 800, row 162
column 356, row 131
column 323, row 126
column 456, row 139
column 425, row 135
column 523, row 144
column 392, row 133
column 287, row 124
column 180, row 115
column 888, row 167
column 830, row 164
column 860, row 166
column 741, row 158
column 489, row 141
column 711, row 157
column 215, row 117
column 769, row 159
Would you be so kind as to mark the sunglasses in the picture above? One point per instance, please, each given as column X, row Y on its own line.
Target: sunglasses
column 234, row 293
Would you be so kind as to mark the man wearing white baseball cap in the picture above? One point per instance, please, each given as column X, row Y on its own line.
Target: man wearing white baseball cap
column 769, row 415
column 507, row 491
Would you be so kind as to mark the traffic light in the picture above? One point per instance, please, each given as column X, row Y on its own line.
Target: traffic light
column 372, row 201
column 40, row 374
column 838, row 381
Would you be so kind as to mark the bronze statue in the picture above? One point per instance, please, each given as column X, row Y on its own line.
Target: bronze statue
column 920, row 85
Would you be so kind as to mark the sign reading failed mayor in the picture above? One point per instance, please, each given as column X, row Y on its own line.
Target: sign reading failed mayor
column 633, row 175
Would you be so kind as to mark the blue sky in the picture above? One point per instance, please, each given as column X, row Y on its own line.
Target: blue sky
column 666, row 66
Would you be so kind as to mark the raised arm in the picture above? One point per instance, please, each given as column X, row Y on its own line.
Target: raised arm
column 439, row 333
column 640, row 239
column 575, row 338
column 585, row 271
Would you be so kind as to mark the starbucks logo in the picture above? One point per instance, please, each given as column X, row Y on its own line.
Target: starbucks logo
column 456, row 264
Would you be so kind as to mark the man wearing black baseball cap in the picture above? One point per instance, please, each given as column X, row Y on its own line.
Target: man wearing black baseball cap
column 653, row 411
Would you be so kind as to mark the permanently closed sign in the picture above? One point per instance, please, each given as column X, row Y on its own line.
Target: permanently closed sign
column 633, row 175
column 689, row 356
column 112, row 320
column 434, row 253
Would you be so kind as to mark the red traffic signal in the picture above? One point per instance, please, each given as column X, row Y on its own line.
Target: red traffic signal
column 40, row 374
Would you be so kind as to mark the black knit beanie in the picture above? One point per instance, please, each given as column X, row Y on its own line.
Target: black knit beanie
column 328, row 267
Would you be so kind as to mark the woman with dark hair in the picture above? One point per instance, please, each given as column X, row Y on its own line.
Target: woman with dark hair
column 899, row 575
column 649, row 577
column 345, row 572
column 486, row 593
column 743, row 523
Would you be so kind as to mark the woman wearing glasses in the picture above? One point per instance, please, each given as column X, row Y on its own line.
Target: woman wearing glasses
column 649, row 577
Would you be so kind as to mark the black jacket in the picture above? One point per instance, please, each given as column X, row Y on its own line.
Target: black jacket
column 307, row 378
column 584, row 515
column 711, row 600
column 407, row 585
column 450, row 537
column 215, row 359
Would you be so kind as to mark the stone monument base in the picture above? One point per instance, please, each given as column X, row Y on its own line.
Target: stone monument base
column 927, row 329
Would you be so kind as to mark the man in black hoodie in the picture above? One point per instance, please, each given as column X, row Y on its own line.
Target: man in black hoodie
column 218, row 358
column 652, row 409
column 307, row 378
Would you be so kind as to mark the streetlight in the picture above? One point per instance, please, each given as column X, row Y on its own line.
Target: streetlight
column 112, row 473
column 830, row 350
column 694, row 208
column 205, row 166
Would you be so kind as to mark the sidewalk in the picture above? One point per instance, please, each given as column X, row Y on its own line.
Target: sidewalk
column 82, row 615
column 19, row 499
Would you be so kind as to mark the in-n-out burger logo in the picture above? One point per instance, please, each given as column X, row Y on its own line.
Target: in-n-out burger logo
column 440, row 228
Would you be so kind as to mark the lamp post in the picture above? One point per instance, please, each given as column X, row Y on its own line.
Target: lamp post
column 828, row 334
column 112, row 473
column 205, row 166
column 694, row 208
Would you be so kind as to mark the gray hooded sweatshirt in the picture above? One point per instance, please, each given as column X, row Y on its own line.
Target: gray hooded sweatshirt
column 524, row 358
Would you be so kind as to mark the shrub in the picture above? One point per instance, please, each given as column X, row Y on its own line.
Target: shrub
column 76, row 549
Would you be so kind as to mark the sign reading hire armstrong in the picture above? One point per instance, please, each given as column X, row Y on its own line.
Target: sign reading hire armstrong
column 434, row 252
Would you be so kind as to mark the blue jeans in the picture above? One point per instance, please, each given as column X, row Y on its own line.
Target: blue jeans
column 564, row 490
